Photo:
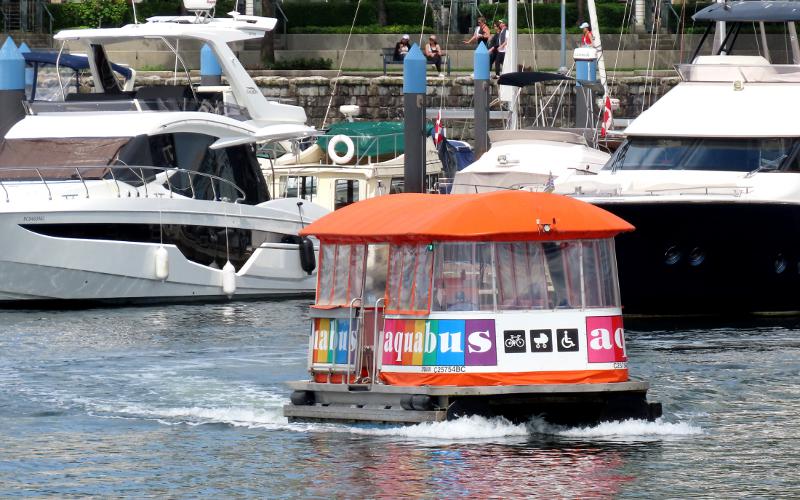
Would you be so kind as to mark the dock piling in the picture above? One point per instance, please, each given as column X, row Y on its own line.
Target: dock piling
column 414, row 87
column 480, row 61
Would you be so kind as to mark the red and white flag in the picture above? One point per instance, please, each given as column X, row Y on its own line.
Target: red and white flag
column 438, row 130
column 606, row 125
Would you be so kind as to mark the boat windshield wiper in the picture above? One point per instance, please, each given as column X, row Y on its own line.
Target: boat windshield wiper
column 767, row 165
column 620, row 156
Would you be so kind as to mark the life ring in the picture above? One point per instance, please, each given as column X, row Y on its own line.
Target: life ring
column 348, row 155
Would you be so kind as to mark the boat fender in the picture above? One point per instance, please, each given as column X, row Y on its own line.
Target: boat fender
column 308, row 260
column 228, row 279
column 406, row 401
column 302, row 398
column 162, row 263
column 421, row 402
column 348, row 155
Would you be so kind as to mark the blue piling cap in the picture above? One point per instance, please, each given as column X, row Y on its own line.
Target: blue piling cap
column 480, row 62
column 23, row 48
column 208, row 62
column 12, row 67
column 414, row 67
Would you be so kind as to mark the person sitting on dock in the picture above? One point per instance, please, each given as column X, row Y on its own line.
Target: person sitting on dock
column 401, row 48
column 433, row 52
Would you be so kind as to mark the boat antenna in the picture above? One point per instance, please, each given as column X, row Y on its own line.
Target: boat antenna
column 133, row 6
column 300, row 211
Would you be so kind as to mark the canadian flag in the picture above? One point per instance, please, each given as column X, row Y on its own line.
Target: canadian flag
column 606, row 125
column 438, row 130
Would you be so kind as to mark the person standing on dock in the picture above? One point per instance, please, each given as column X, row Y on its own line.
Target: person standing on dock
column 502, row 43
column 481, row 34
column 493, row 43
column 586, row 39
column 433, row 52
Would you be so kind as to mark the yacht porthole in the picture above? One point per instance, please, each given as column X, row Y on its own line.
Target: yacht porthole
column 672, row 256
column 780, row 264
column 696, row 257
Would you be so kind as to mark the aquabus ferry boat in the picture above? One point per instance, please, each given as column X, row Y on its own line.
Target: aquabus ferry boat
column 431, row 307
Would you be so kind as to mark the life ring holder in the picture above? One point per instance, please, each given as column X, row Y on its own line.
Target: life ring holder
column 347, row 156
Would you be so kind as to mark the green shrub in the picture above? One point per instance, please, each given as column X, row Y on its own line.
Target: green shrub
column 303, row 63
column 339, row 13
column 89, row 13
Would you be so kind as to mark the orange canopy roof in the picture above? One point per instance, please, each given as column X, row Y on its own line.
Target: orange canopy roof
column 494, row 216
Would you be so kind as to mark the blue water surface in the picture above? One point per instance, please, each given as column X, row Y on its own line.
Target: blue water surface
column 185, row 401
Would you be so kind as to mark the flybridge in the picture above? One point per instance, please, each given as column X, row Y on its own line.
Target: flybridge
column 231, row 29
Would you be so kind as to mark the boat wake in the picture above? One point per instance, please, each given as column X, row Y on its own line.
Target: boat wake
column 626, row 430
column 267, row 414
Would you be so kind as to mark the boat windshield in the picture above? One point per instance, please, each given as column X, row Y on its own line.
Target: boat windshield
column 692, row 153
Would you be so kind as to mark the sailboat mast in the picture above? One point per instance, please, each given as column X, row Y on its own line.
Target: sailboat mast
column 601, row 63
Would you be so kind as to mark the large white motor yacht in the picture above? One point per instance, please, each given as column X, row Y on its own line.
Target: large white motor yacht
column 154, row 194
column 710, row 175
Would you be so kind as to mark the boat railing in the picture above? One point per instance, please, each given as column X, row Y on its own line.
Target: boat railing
column 177, row 181
column 227, row 109
column 717, row 73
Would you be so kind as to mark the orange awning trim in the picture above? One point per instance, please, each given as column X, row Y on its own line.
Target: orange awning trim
column 506, row 378
column 494, row 216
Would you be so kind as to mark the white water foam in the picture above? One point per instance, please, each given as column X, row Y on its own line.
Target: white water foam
column 626, row 430
column 462, row 429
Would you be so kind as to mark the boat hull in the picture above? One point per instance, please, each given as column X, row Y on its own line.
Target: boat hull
column 562, row 404
column 91, row 254
column 708, row 257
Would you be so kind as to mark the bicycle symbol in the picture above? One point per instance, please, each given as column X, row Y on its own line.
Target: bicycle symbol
column 515, row 340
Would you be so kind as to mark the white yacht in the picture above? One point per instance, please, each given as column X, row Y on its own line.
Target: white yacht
column 530, row 160
column 153, row 194
column 710, row 175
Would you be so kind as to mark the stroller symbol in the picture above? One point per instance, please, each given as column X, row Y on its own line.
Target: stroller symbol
column 567, row 342
column 541, row 341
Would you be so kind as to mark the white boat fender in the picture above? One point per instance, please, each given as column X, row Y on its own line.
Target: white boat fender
column 308, row 260
column 348, row 155
column 228, row 279
column 162, row 263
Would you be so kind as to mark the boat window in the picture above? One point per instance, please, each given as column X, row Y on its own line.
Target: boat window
column 341, row 274
column 189, row 151
column 463, row 277
column 396, row 185
column 409, row 278
column 58, row 158
column 377, row 267
column 563, row 268
column 521, row 282
column 304, row 187
column 675, row 153
column 600, row 274
column 346, row 192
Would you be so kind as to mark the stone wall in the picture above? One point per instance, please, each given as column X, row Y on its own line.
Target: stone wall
column 381, row 98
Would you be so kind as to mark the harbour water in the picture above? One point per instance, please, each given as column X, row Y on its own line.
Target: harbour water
column 185, row 401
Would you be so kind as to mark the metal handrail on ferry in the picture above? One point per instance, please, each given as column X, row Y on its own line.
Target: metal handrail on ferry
column 170, row 171
column 377, row 343
column 346, row 377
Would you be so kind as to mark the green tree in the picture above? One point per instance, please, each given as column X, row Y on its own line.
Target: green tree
column 268, row 42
